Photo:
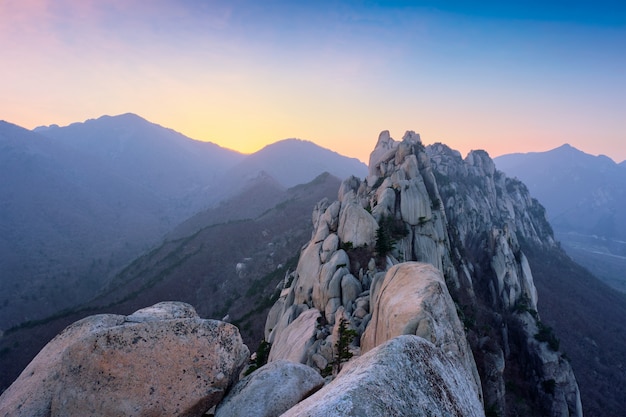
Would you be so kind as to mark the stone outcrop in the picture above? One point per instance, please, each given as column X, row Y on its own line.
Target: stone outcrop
column 292, row 343
column 469, row 222
column 356, row 225
column 270, row 390
column 413, row 299
column 489, row 217
column 406, row 376
column 163, row 360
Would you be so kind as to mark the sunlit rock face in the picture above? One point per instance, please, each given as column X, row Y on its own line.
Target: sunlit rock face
column 464, row 219
column 406, row 376
column 163, row 360
column 270, row 390
column 413, row 299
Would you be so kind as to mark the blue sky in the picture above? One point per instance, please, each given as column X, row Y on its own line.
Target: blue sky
column 500, row 76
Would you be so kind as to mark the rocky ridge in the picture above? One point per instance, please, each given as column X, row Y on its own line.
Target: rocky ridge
column 476, row 301
column 413, row 297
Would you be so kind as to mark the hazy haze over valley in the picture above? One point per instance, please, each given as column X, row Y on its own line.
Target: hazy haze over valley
column 81, row 201
column 584, row 196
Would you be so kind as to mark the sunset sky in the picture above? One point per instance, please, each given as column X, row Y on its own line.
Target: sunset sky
column 503, row 76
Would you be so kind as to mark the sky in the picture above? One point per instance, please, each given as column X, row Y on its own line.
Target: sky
column 503, row 76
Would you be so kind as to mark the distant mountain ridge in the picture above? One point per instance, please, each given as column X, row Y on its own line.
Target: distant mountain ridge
column 198, row 263
column 290, row 160
column 78, row 202
column 149, row 155
column 584, row 196
column 482, row 230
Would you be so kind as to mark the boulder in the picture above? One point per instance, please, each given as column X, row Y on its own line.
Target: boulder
column 163, row 360
column 338, row 263
column 286, row 318
column 329, row 246
column 308, row 271
column 31, row 393
column 384, row 150
column 270, row 390
column 386, row 201
column 331, row 308
column 331, row 215
column 356, row 225
column 349, row 189
column 414, row 201
column 292, row 343
column 413, row 299
column 407, row 376
column 350, row 290
column 163, row 311
column 273, row 316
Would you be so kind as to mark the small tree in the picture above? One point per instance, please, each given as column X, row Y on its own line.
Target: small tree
column 389, row 230
column 546, row 334
column 345, row 336
column 384, row 241
column 262, row 354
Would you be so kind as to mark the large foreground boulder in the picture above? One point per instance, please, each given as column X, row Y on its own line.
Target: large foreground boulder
column 270, row 390
column 413, row 298
column 407, row 376
column 163, row 360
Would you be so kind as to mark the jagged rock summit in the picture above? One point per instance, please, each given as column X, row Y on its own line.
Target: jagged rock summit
column 428, row 245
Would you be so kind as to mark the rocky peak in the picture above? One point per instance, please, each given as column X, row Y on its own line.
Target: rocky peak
column 466, row 220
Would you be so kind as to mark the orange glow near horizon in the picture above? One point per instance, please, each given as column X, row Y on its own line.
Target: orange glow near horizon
column 244, row 77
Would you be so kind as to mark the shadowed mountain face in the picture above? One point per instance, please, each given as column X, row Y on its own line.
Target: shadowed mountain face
column 290, row 161
column 79, row 202
column 171, row 165
column 584, row 196
column 224, row 261
column 590, row 319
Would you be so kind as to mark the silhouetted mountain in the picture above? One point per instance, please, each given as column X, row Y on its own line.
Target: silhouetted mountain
column 78, row 202
column 229, row 264
column 169, row 164
column 294, row 161
column 584, row 196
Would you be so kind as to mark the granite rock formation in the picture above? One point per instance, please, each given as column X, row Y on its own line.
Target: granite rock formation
column 413, row 297
column 465, row 219
column 271, row 390
column 406, row 376
column 163, row 360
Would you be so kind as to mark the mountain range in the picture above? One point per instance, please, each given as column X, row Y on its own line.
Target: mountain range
column 482, row 230
column 231, row 250
column 224, row 260
column 584, row 196
column 79, row 202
